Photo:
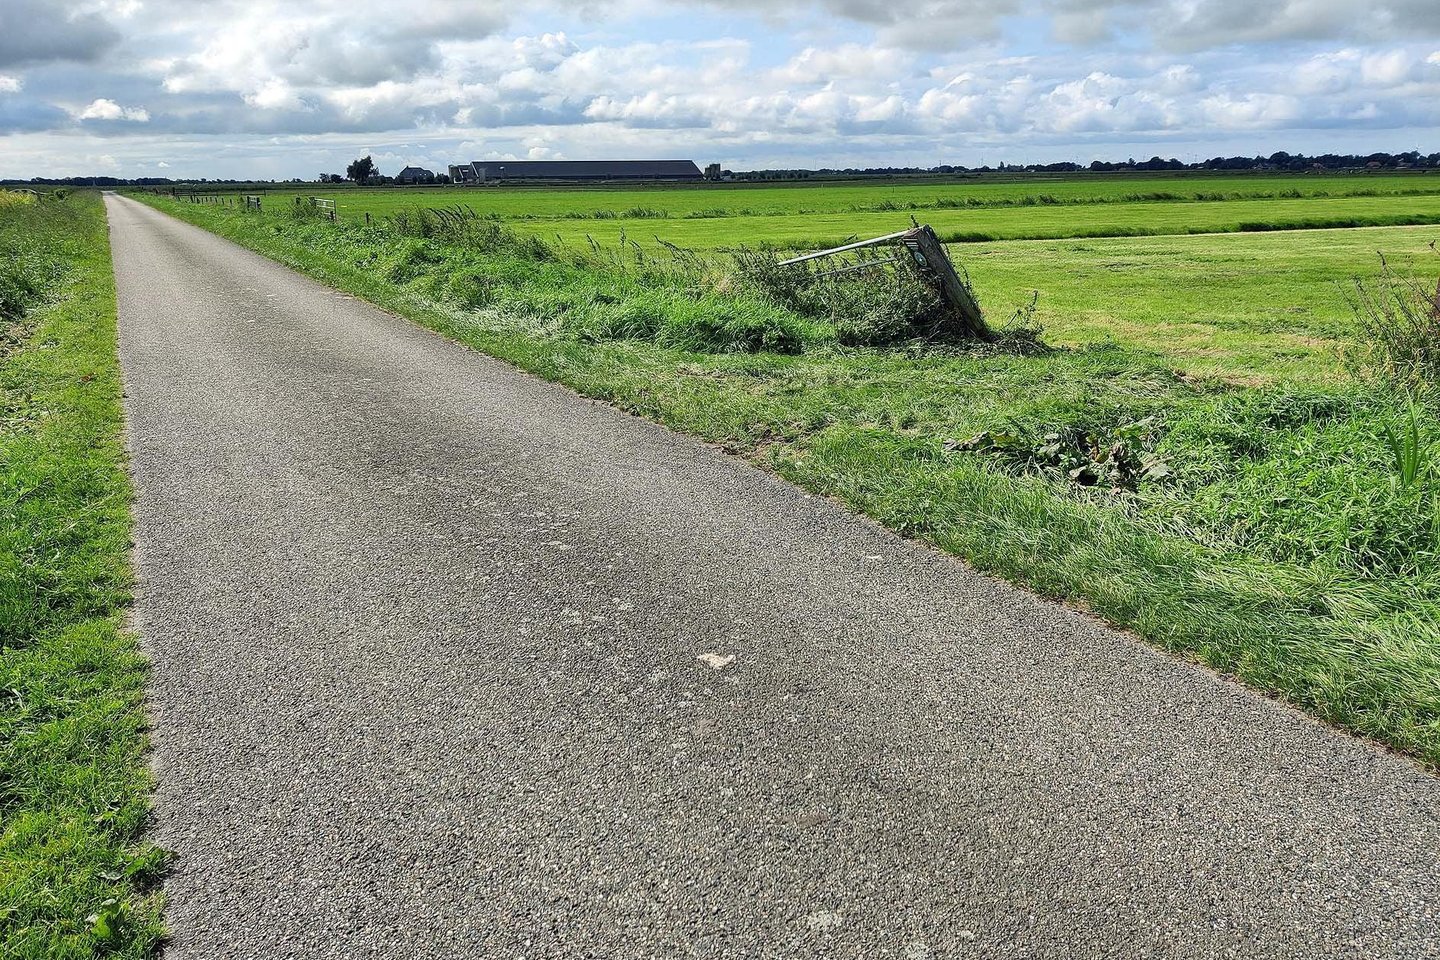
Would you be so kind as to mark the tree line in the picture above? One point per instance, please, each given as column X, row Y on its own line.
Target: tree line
column 363, row 170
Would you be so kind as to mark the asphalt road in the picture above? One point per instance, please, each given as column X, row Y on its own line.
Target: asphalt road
column 426, row 631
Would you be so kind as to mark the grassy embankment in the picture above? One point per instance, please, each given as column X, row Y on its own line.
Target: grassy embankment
column 1259, row 523
column 75, row 875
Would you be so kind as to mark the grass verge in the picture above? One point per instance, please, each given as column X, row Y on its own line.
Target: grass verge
column 1263, row 530
column 76, row 877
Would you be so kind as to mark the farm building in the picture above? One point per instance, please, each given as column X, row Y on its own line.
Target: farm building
column 415, row 175
column 484, row 171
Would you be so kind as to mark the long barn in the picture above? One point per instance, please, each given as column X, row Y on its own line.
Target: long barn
column 485, row 171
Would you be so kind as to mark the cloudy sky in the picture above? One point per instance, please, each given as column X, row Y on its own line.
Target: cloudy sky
column 255, row 88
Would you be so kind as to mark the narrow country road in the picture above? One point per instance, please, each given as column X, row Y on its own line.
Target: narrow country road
column 425, row 635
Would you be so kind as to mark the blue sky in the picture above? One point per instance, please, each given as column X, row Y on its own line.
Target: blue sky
column 266, row 89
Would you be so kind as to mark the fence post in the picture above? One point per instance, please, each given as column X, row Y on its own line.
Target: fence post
column 931, row 251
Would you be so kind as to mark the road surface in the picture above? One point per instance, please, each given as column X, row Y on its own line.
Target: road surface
column 427, row 631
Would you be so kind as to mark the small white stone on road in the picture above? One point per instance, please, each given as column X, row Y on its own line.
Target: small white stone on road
column 824, row 921
column 716, row 661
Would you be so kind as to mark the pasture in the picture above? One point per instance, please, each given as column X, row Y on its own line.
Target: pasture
column 1214, row 271
column 732, row 200
column 725, row 216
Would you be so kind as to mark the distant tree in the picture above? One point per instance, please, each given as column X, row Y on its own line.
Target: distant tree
column 361, row 170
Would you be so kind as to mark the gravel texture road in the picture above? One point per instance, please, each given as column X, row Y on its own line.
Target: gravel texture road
column 450, row 662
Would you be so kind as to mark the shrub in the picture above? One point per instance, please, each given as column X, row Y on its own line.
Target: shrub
column 27, row 271
column 713, row 325
column 637, row 317
column 464, row 226
column 874, row 308
column 24, row 276
column 406, row 260
column 882, row 312
column 1399, row 324
column 471, row 286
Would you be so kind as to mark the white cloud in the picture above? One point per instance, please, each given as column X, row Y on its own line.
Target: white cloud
column 1250, row 111
column 103, row 109
column 274, row 94
column 848, row 62
column 823, row 82
column 1389, row 68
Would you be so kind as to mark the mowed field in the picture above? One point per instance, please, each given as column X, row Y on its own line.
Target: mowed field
column 701, row 202
column 1240, row 277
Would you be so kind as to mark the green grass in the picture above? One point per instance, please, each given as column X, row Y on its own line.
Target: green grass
column 1252, row 306
column 1246, row 307
column 786, row 231
column 707, row 201
column 707, row 217
column 76, row 877
column 1253, row 521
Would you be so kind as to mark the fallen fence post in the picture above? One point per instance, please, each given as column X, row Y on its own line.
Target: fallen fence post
column 930, row 254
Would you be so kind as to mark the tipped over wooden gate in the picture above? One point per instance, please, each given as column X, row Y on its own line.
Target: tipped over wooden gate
column 918, row 249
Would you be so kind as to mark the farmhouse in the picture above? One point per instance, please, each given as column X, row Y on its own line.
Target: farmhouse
column 415, row 175
column 486, row 171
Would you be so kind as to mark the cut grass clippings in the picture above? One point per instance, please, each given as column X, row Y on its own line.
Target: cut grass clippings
column 76, row 877
column 1262, row 530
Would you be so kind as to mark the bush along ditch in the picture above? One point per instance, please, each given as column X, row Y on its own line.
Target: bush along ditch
column 1285, row 532
column 592, row 294
column 77, row 878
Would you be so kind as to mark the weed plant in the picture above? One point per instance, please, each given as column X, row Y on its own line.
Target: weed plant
column 1399, row 325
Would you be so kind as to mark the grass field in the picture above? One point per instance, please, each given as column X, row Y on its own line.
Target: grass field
column 75, row 874
column 1196, row 461
column 1251, row 305
column 1245, row 307
column 727, row 216
column 705, row 201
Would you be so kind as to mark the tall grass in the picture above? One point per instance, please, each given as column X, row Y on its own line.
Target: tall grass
column 1410, row 446
column 1399, row 324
